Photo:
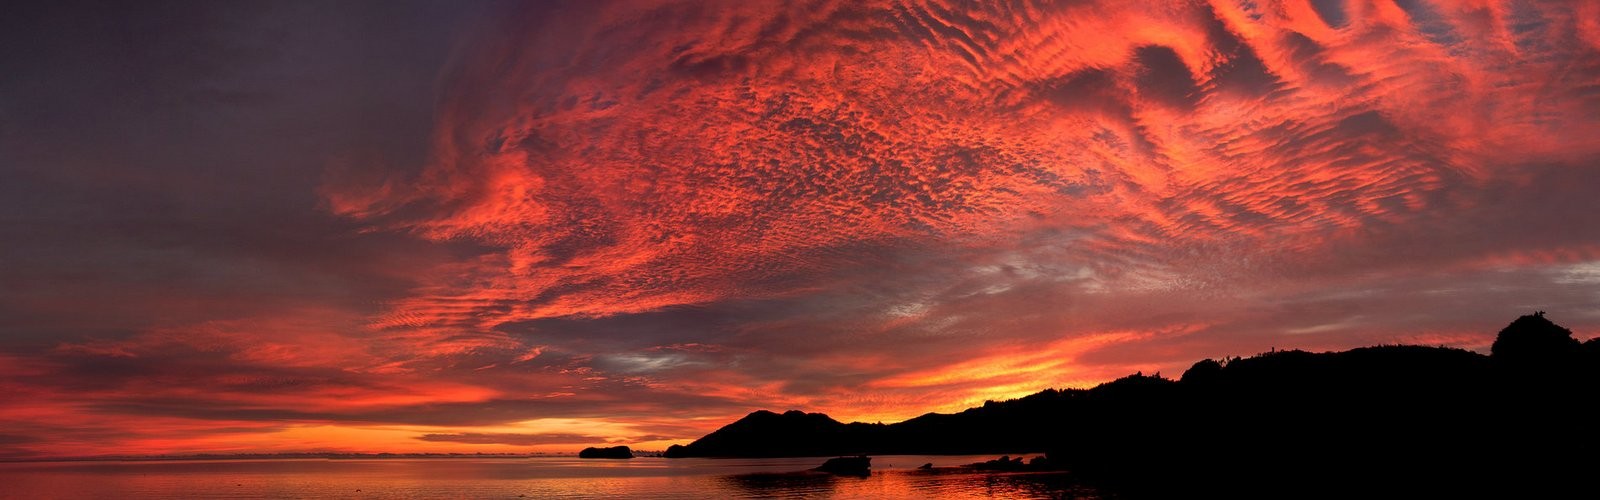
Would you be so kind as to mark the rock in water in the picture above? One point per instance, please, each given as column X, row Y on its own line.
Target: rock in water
column 612, row 452
column 848, row 466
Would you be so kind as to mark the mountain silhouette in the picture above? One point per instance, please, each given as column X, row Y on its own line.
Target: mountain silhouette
column 1373, row 421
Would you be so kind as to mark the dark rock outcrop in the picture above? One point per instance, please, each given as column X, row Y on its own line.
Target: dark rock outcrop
column 611, row 452
column 1007, row 463
column 1002, row 463
column 847, row 466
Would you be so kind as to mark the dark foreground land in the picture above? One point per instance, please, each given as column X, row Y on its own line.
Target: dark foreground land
column 1386, row 422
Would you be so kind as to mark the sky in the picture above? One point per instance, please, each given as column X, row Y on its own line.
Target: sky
column 408, row 226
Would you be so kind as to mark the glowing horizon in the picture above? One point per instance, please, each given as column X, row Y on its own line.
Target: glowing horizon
column 543, row 227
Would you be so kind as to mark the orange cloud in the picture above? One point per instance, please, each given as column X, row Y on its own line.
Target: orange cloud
column 764, row 139
column 617, row 167
column 639, row 219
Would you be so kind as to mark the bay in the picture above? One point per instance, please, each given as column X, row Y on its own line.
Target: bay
column 894, row 476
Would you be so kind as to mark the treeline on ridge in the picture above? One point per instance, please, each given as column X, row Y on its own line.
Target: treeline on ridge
column 1375, row 421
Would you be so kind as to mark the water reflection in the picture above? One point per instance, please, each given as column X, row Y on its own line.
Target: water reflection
column 779, row 485
column 526, row 478
column 934, row 483
column 967, row 483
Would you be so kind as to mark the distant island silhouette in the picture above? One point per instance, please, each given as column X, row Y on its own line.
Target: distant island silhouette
column 609, row 452
column 1384, row 421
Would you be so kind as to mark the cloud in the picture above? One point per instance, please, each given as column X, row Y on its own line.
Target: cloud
column 757, row 158
column 770, row 188
column 512, row 439
column 673, row 213
column 1204, row 149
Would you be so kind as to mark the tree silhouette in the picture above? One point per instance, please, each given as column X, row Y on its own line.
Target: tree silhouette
column 1533, row 340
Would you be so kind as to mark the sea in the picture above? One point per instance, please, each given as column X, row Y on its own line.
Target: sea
column 893, row 476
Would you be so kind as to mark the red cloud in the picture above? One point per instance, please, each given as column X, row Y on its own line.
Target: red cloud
column 624, row 166
column 645, row 157
column 676, row 212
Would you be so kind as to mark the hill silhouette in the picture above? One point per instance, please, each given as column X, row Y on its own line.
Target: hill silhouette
column 791, row 434
column 1373, row 421
column 608, row 452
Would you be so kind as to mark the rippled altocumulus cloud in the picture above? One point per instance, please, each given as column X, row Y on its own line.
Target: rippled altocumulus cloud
column 845, row 193
column 671, row 213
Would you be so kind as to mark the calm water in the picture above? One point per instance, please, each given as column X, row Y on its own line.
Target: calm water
column 893, row 477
